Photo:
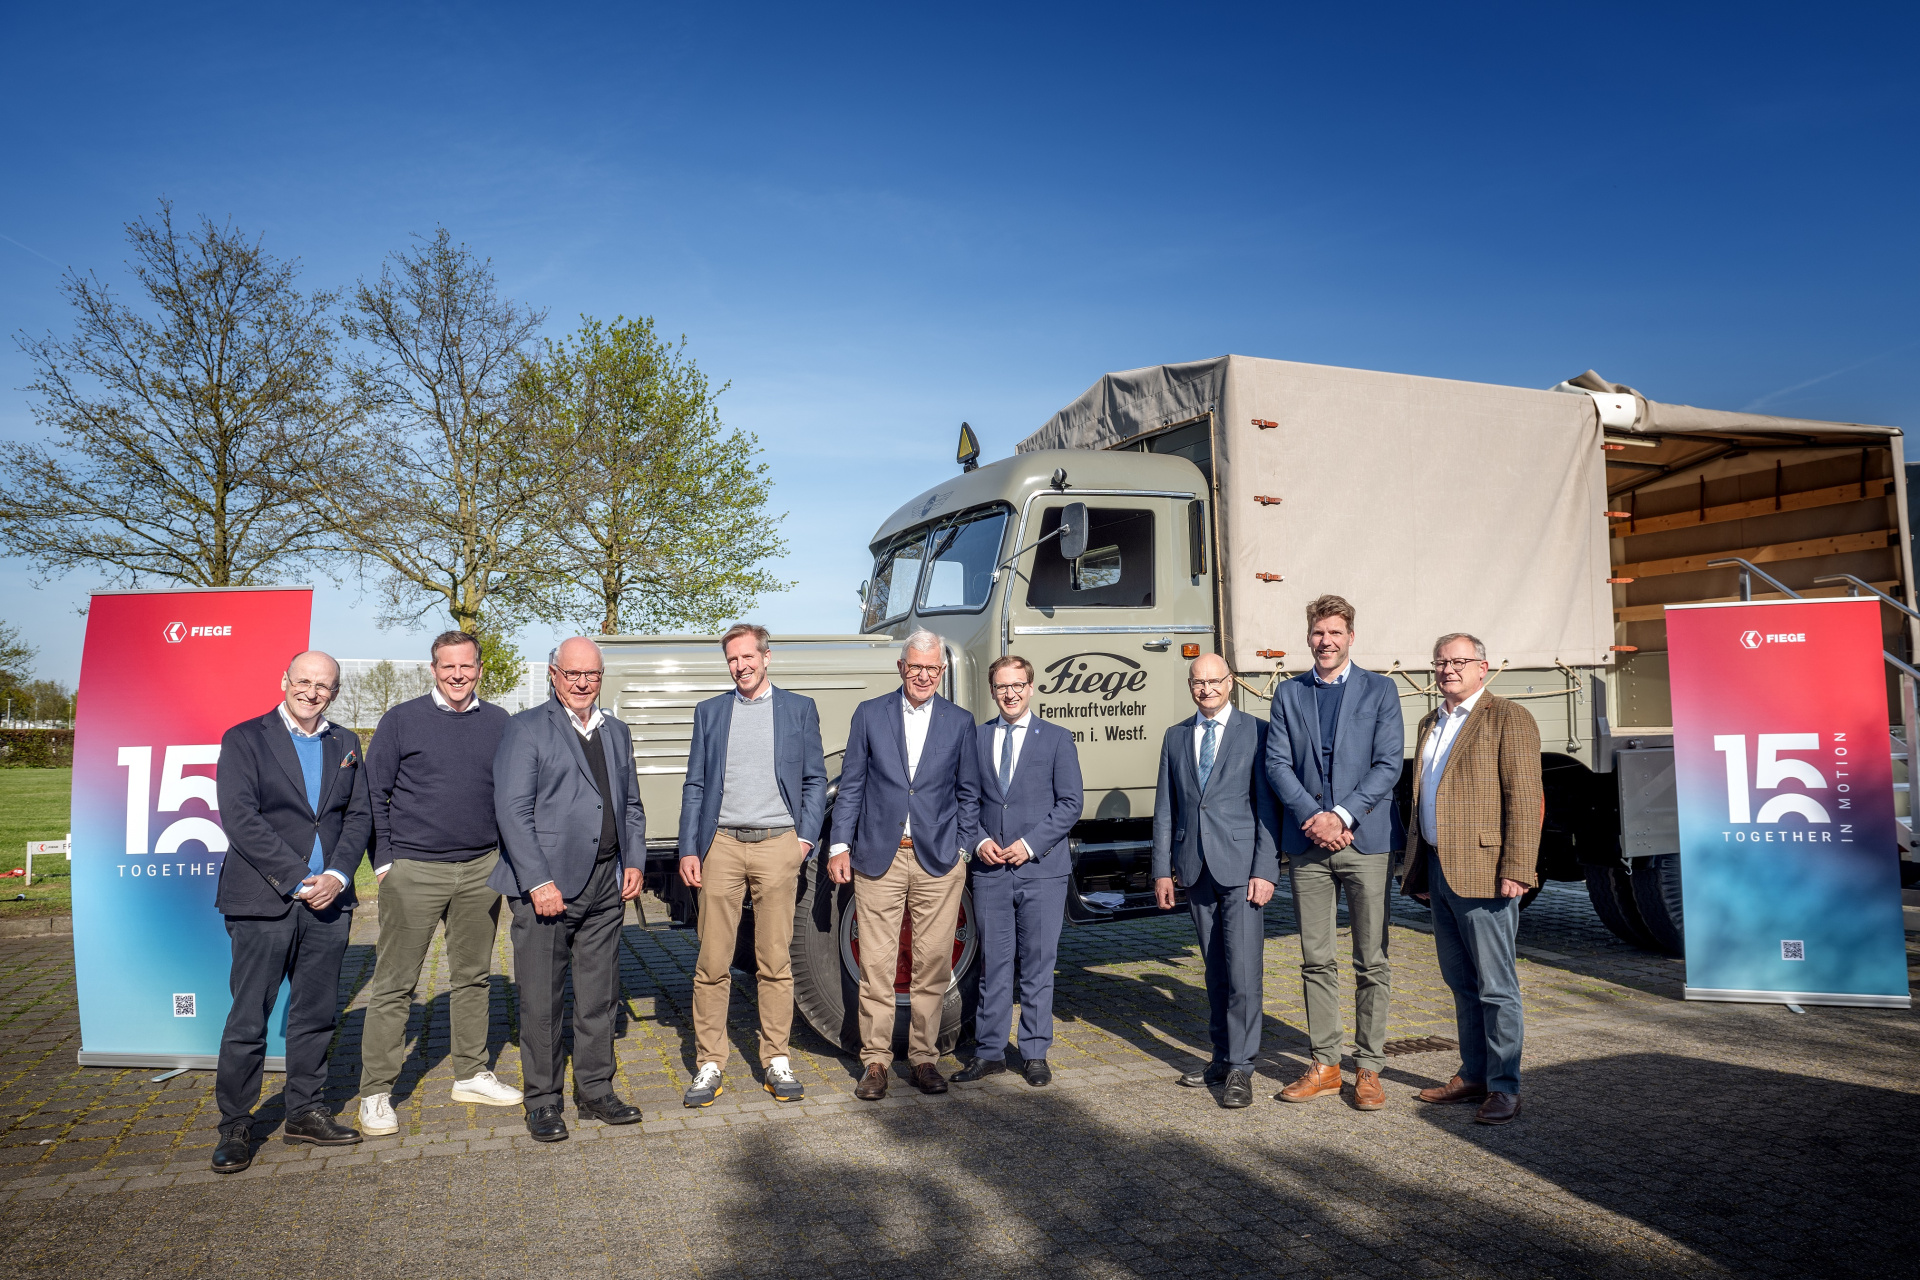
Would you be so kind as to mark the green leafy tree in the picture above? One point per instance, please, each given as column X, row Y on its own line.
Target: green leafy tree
column 16, row 664
column 662, row 521
column 184, row 433
column 501, row 665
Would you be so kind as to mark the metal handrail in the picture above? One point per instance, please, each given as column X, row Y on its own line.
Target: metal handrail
column 1857, row 584
column 1747, row 569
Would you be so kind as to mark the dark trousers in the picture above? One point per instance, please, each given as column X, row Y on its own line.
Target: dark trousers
column 306, row 948
column 1019, row 925
column 1233, row 936
column 586, row 936
column 1475, row 939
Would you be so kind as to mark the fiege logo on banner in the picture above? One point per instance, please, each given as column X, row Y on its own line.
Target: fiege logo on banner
column 175, row 632
column 1754, row 639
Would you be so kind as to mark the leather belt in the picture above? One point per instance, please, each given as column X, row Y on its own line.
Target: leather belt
column 754, row 835
column 906, row 842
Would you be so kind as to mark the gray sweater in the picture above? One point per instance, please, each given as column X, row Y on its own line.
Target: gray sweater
column 750, row 797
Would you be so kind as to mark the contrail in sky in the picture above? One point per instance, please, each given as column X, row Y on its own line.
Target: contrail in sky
column 1802, row 386
column 35, row 252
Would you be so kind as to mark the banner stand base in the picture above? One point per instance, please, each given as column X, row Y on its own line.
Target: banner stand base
column 185, row 1061
column 1800, row 997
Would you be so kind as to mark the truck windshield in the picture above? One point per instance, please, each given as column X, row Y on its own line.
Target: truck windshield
column 1116, row 572
column 960, row 569
column 896, row 571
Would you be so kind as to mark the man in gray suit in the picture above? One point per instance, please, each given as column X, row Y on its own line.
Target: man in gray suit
column 573, row 839
column 1214, row 826
column 1333, row 757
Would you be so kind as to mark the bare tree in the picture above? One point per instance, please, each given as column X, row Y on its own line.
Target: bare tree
column 662, row 522
column 183, row 433
column 446, row 500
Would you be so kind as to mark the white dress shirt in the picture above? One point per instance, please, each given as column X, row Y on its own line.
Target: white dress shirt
column 293, row 727
column 1019, row 729
column 1346, row 669
column 593, row 721
column 1433, row 760
column 1219, row 735
column 915, row 721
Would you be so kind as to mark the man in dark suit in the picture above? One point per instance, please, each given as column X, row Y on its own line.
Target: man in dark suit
column 902, row 824
column 1333, row 757
column 750, row 815
column 573, row 839
column 1214, row 826
column 293, row 803
column 1029, row 799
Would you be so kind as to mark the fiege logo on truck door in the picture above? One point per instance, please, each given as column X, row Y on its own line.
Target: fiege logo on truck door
column 1096, row 686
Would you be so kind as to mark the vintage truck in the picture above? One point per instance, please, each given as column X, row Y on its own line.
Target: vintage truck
column 1192, row 508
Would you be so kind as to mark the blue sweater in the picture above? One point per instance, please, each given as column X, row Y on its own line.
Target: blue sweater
column 431, row 775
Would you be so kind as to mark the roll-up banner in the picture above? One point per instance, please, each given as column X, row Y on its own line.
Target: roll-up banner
column 1789, row 853
column 163, row 675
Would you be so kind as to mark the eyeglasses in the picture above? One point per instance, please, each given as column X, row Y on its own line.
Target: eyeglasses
column 925, row 673
column 1010, row 688
column 312, row 686
column 1454, row 664
column 579, row 677
column 1215, row 683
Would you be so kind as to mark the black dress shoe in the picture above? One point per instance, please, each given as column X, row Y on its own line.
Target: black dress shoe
column 1239, row 1090
column 316, row 1126
column 1037, row 1072
column 608, row 1108
column 235, row 1151
column 978, row 1069
column 545, row 1124
column 1213, row 1074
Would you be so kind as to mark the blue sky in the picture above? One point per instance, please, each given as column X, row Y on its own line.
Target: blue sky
column 875, row 223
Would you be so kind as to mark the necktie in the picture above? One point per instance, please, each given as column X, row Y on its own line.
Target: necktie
column 1207, row 750
column 1006, row 758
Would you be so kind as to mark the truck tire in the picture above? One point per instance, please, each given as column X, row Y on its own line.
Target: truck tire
column 826, row 987
column 1656, row 891
column 1610, row 890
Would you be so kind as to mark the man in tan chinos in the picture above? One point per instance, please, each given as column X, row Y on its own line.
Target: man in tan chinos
column 1471, row 853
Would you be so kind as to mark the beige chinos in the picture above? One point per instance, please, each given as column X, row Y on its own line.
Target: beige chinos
column 882, row 904
column 770, row 869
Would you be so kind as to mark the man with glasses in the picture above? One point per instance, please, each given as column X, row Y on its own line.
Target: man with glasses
column 1214, row 826
column 1028, row 800
column 750, row 815
column 1472, row 853
column 293, row 802
column 902, row 824
column 573, row 840
column 1334, row 756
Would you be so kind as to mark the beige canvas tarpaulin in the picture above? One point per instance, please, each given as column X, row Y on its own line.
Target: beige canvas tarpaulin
column 1432, row 505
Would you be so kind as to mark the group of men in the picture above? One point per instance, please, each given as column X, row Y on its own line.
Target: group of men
column 463, row 806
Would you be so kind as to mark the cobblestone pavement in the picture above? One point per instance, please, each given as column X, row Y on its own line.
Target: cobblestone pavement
column 1659, row 1137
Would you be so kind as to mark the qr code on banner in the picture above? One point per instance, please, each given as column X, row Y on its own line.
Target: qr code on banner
column 1793, row 950
column 183, row 1005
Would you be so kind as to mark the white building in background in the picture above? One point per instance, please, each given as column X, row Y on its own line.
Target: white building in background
column 369, row 686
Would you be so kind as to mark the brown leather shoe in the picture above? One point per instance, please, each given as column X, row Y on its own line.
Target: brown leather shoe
column 1367, row 1093
column 1498, row 1108
column 1454, row 1090
column 1318, row 1079
column 927, row 1078
column 873, row 1085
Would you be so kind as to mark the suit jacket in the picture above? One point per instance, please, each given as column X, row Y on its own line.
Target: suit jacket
column 877, row 798
column 799, row 767
column 1230, row 830
column 1489, row 807
column 548, row 804
column 269, row 824
column 1041, row 803
column 1369, row 744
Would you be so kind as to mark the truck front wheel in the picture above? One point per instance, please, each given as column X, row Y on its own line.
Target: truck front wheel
column 826, row 978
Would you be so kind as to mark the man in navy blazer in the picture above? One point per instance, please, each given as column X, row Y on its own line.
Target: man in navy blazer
column 902, row 825
column 1333, row 756
column 1214, row 826
column 573, row 841
column 750, row 815
column 293, row 803
column 1029, row 799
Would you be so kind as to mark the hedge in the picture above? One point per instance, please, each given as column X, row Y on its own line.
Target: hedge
column 36, row 748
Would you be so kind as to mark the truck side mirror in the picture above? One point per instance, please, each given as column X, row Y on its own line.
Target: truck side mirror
column 861, row 591
column 1073, row 531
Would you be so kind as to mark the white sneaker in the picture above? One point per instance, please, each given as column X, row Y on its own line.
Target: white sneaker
column 484, row 1089
column 376, row 1116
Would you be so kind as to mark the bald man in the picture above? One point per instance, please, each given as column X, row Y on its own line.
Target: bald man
column 1215, row 827
column 294, row 805
column 573, row 840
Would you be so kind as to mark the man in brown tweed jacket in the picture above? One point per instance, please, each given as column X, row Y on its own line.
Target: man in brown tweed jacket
column 1472, row 852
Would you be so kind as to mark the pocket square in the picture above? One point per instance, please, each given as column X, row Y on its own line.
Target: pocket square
column 350, row 759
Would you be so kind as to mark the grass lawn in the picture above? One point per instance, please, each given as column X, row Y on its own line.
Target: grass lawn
column 34, row 806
